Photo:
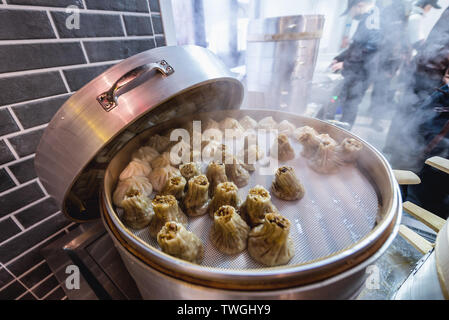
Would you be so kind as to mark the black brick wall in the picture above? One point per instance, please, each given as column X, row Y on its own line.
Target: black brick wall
column 42, row 63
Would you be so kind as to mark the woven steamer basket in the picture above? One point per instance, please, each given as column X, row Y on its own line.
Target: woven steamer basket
column 344, row 220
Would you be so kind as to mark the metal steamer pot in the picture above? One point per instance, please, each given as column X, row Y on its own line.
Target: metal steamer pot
column 89, row 142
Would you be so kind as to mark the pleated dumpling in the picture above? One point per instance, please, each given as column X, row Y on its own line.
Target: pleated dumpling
column 257, row 205
column 216, row 174
column 236, row 172
column 142, row 184
column 248, row 123
column 286, row 127
column 269, row 243
column 160, row 143
column 161, row 161
column 229, row 233
column 145, row 153
column 175, row 186
column 349, row 149
column 231, row 124
column 268, row 123
column 166, row 209
column 226, row 193
column 326, row 159
column 190, row 170
column 175, row 240
column 158, row 177
column 286, row 185
column 138, row 212
column 197, row 198
column 282, row 149
column 135, row 168
column 308, row 137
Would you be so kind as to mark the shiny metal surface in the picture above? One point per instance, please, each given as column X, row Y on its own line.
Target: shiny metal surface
column 280, row 59
column 346, row 285
column 371, row 163
column 81, row 129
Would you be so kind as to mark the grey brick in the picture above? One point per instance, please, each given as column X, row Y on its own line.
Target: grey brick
column 157, row 24
column 21, row 24
column 36, row 113
column 37, row 212
column 5, row 181
column 40, row 55
column 117, row 49
column 31, row 237
column 7, row 123
column 26, row 143
column 138, row 26
column 28, row 87
column 19, row 198
column 77, row 78
column 23, row 171
column 128, row 5
column 8, row 228
column 5, row 153
column 91, row 25
column 47, row 3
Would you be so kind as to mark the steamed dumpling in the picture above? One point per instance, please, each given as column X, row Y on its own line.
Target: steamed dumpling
column 284, row 150
column 175, row 240
column 229, row 233
column 158, row 177
column 159, row 143
column 348, row 151
column 286, row 127
column 138, row 212
column 236, row 172
column 216, row 174
column 269, row 243
column 257, row 205
column 145, row 153
column 231, row 124
column 166, row 209
column 286, row 185
column 326, row 159
column 226, row 193
column 189, row 170
column 161, row 161
column 142, row 184
column 268, row 123
column 308, row 137
column 197, row 198
column 175, row 186
column 136, row 168
column 248, row 123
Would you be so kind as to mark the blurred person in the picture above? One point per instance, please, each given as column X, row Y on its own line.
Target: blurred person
column 393, row 23
column 425, row 133
column 416, row 35
column 358, row 61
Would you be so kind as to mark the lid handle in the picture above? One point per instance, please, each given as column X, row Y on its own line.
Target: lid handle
column 108, row 99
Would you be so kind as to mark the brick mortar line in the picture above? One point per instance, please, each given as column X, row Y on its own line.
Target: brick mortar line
column 42, row 187
column 17, row 187
column 11, row 163
column 64, row 80
column 11, row 149
column 30, row 227
column 37, row 265
column 53, row 25
column 74, row 40
column 51, row 291
column 41, row 281
column 33, row 100
column 27, row 290
column 81, row 10
column 151, row 22
column 84, row 4
column 14, row 116
column 84, row 52
column 23, row 208
column 122, row 20
column 35, row 246
column 64, row 298
column 13, row 177
column 21, row 227
column 51, row 69
column 28, row 130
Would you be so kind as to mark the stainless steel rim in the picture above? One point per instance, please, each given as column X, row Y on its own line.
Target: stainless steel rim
column 277, row 274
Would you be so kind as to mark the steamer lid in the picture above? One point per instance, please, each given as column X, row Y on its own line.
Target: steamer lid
column 137, row 93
